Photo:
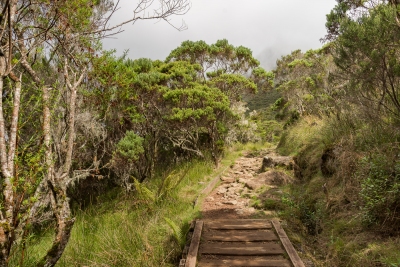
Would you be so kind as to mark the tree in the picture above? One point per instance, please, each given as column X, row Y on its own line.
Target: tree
column 367, row 54
column 222, row 64
column 164, row 104
column 303, row 80
column 64, row 36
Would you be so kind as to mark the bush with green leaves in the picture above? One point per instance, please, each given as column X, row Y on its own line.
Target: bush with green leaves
column 380, row 189
column 131, row 146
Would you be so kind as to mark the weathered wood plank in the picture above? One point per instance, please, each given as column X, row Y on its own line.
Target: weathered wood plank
column 240, row 236
column 241, row 249
column 247, row 263
column 238, row 224
column 241, row 220
column 294, row 257
column 194, row 245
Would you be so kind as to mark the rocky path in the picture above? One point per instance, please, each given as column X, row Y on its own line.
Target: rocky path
column 249, row 177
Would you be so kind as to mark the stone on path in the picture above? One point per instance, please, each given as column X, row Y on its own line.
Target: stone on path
column 231, row 202
column 221, row 191
column 268, row 178
column 227, row 179
column 277, row 161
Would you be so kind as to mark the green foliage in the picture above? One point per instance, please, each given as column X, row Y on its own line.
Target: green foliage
column 178, row 234
column 144, row 193
column 366, row 49
column 380, row 189
column 225, row 63
column 126, row 230
column 300, row 62
column 302, row 79
column 233, row 85
column 199, row 103
column 131, row 146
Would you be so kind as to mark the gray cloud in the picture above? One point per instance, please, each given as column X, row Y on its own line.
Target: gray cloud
column 270, row 28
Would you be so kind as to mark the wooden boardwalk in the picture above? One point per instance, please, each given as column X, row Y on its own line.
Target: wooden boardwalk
column 240, row 242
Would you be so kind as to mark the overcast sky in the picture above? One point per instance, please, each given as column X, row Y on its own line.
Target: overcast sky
column 270, row 28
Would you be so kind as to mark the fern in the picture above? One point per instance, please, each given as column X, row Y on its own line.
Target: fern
column 144, row 193
column 178, row 234
column 171, row 182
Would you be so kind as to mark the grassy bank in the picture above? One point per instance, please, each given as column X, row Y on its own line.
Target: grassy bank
column 343, row 207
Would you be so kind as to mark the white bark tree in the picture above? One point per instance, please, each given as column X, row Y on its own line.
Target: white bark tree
column 64, row 34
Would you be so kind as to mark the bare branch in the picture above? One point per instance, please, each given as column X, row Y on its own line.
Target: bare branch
column 167, row 8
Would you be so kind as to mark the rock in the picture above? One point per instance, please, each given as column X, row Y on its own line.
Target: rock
column 228, row 179
column 275, row 178
column 277, row 161
column 243, row 181
column 239, row 211
column 253, row 184
column 221, row 191
column 231, row 190
column 248, row 176
column 268, row 178
column 231, row 202
column 227, row 185
column 209, row 199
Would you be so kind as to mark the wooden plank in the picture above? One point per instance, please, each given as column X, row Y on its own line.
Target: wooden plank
column 240, row 236
column 241, row 249
column 194, row 245
column 294, row 257
column 241, row 220
column 247, row 263
column 239, row 224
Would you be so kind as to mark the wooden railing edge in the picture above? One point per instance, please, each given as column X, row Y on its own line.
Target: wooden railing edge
column 194, row 245
column 294, row 257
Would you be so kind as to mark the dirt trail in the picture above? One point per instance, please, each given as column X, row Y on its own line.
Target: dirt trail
column 231, row 199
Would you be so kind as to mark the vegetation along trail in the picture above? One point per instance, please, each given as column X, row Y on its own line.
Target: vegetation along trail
column 105, row 160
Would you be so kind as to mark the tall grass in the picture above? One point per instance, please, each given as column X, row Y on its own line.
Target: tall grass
column 329, row 209
column 127, row 229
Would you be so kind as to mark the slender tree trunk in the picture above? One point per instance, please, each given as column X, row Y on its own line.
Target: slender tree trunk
column 7, row 213
column 58, row 181
column 65, row 222
column 7, row 156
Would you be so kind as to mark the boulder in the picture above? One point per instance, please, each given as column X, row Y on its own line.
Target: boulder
column 275, row 178
column 277, row 161
column 254, row 184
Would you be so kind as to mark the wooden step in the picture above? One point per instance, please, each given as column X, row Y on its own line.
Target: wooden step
column 241, row 249
column 244, row 263
column 239, row 236
column 239, row 224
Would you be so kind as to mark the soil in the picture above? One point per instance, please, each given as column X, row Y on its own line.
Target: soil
column 231, row 199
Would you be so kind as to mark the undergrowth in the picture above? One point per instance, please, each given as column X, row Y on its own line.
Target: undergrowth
column 345, row 204
column 144, row 228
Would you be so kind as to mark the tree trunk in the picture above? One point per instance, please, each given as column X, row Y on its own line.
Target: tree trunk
column 58, row 181
column 7, row 168
column 65, row 222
